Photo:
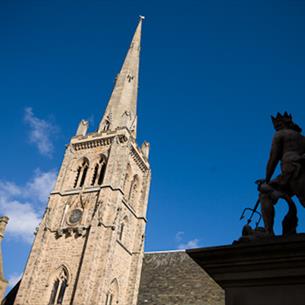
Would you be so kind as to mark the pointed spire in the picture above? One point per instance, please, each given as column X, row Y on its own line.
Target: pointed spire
column 121, row 110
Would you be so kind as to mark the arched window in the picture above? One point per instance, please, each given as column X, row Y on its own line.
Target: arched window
column 81, row 173
column 107, row 125
column 107, row 122
column 112, row 296
column 123, row 228
column 59, row 288
column 126, row 185
column 134, row 187
column 95, row 173
column 99, row 171
column 85, row 170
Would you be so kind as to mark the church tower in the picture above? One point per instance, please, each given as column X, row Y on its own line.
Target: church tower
column 88, row 249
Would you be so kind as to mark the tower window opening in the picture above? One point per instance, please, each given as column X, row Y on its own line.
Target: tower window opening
column 126, row 185
column 85, row 169
column 77, row 176
column 112, row 296
column 102, row 172
column 62, row 291
column 107, row 125
column 95, row 173
column 54, row 292
column 81, row 174
column 133, row 188
column 59, row 289
column 99, row 171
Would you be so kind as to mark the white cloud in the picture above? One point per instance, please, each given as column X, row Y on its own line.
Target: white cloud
column 23, row 219
column 9, row 189
column 23, row 204
column 40, row 132
column 41, row 185
column 13, row 279
column 194, row 243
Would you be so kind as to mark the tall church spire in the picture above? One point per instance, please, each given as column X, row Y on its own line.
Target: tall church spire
column 89, row 245
column 121, row 110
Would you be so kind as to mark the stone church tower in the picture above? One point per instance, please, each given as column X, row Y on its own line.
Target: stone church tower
column 88, row 249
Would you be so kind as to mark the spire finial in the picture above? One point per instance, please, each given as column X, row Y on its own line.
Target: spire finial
column 142, row 17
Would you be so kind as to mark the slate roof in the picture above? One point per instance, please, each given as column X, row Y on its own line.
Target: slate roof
column 173, row 278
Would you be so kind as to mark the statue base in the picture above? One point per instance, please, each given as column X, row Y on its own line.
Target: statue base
column 269, row 271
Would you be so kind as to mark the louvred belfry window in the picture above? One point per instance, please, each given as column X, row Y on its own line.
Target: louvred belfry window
column 99, row 171
column 81, row 173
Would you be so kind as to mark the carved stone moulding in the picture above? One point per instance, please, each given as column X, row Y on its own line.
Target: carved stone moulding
column 138, row 159
column 69, row 231
column 92, row 143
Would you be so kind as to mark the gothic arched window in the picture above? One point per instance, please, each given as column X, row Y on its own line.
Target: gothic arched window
column 107, row 125
column 127, row 180
column 81, row 173
column 59, row 288
column 134, row 188
column 79, row 169
column 99, row 171
column 123, row 229
column 112, row 296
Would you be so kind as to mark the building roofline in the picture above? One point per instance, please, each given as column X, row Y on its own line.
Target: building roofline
column 166, row 251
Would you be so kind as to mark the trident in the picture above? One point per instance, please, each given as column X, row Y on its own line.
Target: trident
column 254, row 210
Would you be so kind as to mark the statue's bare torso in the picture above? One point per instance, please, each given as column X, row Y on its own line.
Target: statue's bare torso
column 288, row 149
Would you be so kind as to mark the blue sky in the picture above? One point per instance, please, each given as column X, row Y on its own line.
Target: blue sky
column 212, row 73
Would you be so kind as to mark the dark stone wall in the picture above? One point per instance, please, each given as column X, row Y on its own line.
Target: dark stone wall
column 173, row 278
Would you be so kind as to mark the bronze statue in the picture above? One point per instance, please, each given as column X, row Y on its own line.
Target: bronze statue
column 288, row 149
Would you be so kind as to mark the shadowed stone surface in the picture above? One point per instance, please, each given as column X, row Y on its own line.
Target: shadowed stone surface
column 260, row 272
column 173, row 278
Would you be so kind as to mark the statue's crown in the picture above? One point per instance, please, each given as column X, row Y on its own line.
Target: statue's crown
column 284, row 121
column 282, row 118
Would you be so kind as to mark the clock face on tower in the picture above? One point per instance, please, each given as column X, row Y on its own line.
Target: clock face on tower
column 75, row 216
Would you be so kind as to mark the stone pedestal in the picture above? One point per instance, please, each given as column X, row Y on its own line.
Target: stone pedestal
column 262, row 272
